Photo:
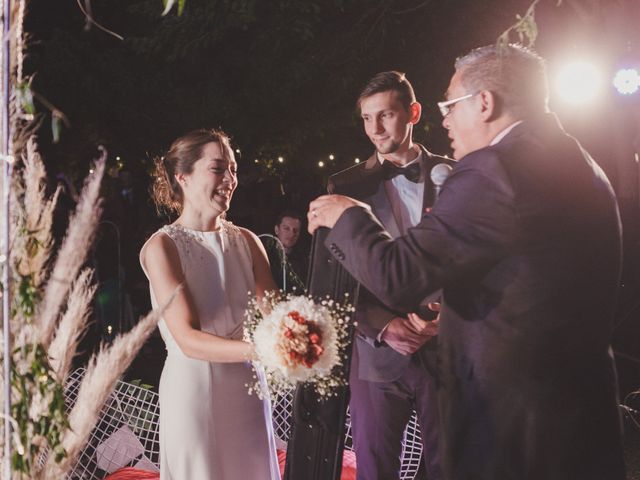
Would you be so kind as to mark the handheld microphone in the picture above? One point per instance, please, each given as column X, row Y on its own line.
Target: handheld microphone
column 439, row 174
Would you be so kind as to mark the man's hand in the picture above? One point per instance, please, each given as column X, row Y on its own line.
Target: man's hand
column 423, row 327
column 407, row 336
column 324, row 211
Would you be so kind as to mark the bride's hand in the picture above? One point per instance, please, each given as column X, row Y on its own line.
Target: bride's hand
column 250, row 355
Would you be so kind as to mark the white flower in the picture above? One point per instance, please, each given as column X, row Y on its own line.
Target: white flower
column 299, row 340
column 40, row 405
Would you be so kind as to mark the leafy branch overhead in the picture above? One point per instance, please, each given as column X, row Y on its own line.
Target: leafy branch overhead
column 169, row 4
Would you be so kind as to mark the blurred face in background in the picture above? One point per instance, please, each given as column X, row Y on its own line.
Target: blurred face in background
column 288, row 231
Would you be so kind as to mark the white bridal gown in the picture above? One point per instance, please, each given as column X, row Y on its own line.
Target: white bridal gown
column 210, row 427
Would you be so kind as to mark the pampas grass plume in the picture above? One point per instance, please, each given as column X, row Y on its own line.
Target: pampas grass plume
column 103, row 371
column 72, row 325
column 72, row 253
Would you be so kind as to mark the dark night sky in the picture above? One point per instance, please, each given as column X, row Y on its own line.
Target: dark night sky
column 281, row 78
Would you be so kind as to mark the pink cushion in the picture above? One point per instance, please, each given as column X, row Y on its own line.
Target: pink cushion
column 348, row 464
column 129, row 473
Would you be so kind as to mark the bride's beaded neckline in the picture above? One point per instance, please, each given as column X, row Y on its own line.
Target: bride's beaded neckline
column 225, row 227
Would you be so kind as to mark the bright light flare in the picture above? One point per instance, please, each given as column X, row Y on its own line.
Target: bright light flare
column 578, row 83
column 627, row 81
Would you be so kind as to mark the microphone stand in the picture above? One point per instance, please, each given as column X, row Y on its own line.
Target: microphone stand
column 317, row 435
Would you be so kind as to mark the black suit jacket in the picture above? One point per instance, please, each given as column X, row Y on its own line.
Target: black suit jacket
column 378, row 362
column 525, row 243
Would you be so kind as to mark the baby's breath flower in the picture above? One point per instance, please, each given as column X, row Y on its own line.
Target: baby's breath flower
column 299, row 340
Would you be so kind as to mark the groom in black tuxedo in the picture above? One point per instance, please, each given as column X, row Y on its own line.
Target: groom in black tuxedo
column 524, row 241
column 393, row 362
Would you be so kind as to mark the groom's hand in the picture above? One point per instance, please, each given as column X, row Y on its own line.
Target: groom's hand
column 325, row 211
column 423, row 327
column 407, row 336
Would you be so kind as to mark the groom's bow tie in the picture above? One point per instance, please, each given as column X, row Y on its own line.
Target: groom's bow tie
column 412, row 172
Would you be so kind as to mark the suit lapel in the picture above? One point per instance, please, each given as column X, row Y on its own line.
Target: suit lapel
column 379, row 200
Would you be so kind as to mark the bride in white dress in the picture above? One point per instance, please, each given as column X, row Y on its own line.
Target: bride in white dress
column 210, row 427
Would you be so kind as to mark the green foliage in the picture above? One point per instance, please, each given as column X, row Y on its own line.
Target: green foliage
column 525, row 28
column 28, row 296
column 25, row 97
column 37, row 396
column 168, row 5
column 37, row 407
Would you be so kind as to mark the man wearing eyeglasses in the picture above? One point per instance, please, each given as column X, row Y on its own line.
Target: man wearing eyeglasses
column 525, row 243
column 393, row 363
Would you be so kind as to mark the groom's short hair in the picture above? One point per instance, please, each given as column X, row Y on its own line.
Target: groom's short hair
column 389, row 81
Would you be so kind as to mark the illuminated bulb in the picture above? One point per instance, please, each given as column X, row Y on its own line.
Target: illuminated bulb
column 357, row 160
column 255, row 161
column 331, row 157
column 237, row 150
column 109, row 329
column 280, row 159
column 117, row 158
column 627, row 81
column 91, row 170
column 321, row 164
column 578, row 82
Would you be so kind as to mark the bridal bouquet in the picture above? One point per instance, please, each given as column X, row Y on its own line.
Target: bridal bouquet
column 298, row 340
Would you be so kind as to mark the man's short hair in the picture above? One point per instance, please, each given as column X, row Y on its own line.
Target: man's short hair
column 386, row 81
column 515, row 74
column 288, row 213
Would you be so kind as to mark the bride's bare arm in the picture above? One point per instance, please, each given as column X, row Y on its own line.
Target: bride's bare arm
column 162, row 262
column 261, row 269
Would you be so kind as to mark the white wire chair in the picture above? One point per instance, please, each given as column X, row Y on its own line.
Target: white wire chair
column 127, row 432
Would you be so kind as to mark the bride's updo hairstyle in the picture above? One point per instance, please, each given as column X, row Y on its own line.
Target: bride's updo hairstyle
column 182, row 155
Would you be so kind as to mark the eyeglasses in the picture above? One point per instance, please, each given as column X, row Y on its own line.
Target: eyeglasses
column 446, row 106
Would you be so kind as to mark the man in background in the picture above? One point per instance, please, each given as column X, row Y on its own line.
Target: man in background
column 287, row 252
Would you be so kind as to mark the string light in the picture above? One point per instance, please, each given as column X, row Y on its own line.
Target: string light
column 331, row 157
column 321, row 164
column 357, row 160
column 281, row 160
column 237, row 150
column 255, row 161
